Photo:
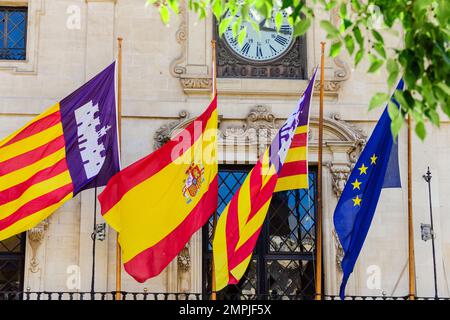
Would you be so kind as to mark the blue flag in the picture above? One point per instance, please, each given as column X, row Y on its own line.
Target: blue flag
column 377, row 168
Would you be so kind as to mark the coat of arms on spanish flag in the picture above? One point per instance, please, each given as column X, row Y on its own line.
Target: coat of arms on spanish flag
column 70, row 147
column 157, row 203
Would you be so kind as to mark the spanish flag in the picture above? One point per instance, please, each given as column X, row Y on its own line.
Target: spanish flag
column 70, row 147
column 160, row 201
column 283, row 166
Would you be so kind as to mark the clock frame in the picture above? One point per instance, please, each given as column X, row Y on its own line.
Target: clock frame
column 290, row 65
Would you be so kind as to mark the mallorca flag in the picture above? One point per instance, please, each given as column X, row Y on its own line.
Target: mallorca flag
column 157, row 203
column 240, row 223
column 70, row 147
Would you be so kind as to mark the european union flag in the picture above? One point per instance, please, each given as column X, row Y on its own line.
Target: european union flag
column 377, row 168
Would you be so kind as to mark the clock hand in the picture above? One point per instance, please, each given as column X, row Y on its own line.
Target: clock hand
column 273, row 30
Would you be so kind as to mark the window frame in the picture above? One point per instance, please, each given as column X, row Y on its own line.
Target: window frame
column 262, row 253
column 17, row 8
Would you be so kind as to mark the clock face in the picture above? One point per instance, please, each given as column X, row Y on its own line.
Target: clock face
column 262, row 46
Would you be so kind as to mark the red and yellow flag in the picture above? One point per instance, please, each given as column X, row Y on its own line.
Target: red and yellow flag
column 160, row 201
column 283, row 166
column 69, row 148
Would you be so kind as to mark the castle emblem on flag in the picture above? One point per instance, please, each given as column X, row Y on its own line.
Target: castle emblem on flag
column 89, row 134
column 193, row 182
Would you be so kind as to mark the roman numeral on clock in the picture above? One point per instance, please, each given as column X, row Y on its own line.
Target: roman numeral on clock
column 281, row 40
column 245, row 49
column 285, row 29
column 258, row 51
column 272, row 49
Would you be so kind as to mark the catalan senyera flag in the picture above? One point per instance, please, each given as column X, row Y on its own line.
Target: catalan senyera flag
column 283, row 166
column 157, row 203
column 70, row 147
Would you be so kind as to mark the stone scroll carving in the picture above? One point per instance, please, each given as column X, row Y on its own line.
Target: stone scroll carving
column 162, row 135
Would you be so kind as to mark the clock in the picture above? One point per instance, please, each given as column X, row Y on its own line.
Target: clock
column 263, row 46
column 267, row 54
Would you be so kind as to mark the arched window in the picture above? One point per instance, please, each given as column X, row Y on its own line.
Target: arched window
column 282, row 265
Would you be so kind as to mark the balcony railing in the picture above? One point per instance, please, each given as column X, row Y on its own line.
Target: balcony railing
column 113, row 295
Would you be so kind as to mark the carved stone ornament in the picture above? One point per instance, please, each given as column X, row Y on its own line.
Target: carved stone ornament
column 339, row 250
column 177, row 67
column 184, row 259
column 339, row 175
column 163, row 134
column 35, row 237
column 199, row 84
column 260, row 117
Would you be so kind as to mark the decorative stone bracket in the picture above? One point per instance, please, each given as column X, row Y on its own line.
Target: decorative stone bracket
column 35, row 238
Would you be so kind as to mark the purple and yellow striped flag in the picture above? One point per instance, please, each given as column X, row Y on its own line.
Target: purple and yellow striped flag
column 283, row 166
column 70, row 147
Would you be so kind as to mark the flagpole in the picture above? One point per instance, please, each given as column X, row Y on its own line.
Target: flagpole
column 411, row 259
column 213, row 94
column 119, row 121
column 319, row 184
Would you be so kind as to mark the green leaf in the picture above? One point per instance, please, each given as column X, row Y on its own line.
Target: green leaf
column 380, row 49
column 396, row 125
column 393, row 110
column 173, row 5
column 217, row 9
column 393, row 70
column 358, row 36
column 378, row 99
column 241, row 36
column 444, row 87
column 420, row 130
column 399, row 96
column 335, row 49
column 331, row 30
column 434, row 117
column 224, row 25
column 164, row 13
column 343, row 10
column 375, row 65
column 378, row 36
column 347, row 23
column 278, row 20
column 349, row 43
column 359, row 55
column 301, row 27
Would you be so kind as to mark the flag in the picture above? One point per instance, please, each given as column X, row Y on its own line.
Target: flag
column 377, row 168
column 240, row 223
column 69, row 148
column 157, row 203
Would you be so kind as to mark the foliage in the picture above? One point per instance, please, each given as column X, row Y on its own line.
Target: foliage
column 423, row 61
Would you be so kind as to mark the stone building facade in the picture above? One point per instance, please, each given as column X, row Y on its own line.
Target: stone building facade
column 166, row 82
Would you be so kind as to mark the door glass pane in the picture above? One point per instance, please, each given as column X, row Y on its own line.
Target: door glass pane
column 292, row 220
column 290, row 277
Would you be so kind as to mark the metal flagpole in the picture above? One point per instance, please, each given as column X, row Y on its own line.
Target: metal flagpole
column 119, row 120
column 427, row 178
column 319, row 184
column 411, row 259
column 213, row 94
column 94, row 242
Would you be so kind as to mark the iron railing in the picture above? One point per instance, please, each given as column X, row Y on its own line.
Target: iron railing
column 123, row 295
